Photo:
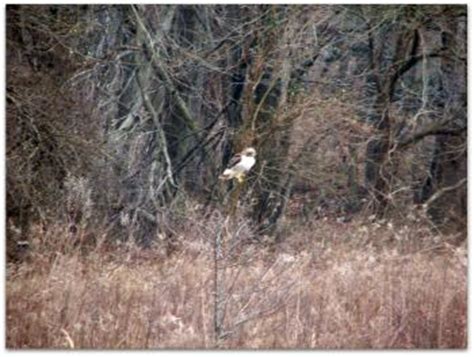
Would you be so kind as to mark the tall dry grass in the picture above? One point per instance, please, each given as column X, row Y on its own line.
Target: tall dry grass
column 328, row 285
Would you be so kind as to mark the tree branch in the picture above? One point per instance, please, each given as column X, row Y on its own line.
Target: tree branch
column 430, row 130
column 442, row 191
column 401, row 68
column 159, row 129
column 163, row 74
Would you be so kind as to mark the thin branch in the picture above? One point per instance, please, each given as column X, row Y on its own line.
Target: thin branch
column 442, row 191
column 161, row 133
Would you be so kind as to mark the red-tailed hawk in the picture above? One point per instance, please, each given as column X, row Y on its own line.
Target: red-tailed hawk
column 239, row 165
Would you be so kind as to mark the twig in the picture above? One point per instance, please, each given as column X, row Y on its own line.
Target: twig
column 69, row 340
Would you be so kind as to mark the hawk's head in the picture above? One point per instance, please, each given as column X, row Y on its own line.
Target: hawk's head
column 249, row 152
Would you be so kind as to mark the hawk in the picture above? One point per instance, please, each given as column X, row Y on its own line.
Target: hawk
column 239, row 165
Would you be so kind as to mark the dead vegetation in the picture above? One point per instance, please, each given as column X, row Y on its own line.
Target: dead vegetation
column 349, row 232
column 337, row 285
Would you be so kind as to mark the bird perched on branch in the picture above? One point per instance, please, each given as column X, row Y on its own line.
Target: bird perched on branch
column 239, row 165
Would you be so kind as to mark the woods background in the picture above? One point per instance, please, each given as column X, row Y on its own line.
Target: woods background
column 119, row 120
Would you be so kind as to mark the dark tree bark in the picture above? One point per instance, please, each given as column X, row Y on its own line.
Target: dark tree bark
column 449, row 160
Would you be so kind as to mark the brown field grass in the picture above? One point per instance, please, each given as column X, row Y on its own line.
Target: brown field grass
column 328, row 285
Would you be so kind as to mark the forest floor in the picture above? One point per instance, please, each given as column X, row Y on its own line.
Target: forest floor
column 327, row 285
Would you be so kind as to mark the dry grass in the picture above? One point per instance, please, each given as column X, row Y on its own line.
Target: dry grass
column 329, row 285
